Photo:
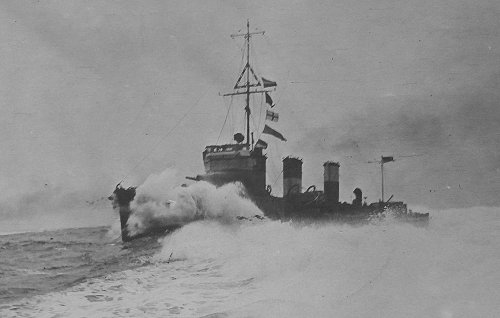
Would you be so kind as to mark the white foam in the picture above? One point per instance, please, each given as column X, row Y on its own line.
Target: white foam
column 273, row 269
column 389, row 269
column 158, row 201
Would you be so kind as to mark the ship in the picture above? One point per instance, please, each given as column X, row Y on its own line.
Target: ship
column 243, row 161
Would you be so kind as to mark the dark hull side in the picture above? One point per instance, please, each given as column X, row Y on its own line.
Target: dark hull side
column 152, row 231
column 121, row 199
column 309, row 207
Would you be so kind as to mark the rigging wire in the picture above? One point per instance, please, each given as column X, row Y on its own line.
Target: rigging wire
column 141, row 110
column 276, row 151
column 260, row 134
column 242, row 48
column 260, row 111
column 282, row 91
column 274, row 169
column 163, row 137
column 254, row 62
column 232, row 116
column 276, row 180
column 286, row 82
column 244, row 118
column 256, row 69
column 258, row 125
column 224, row 124
column 253, row 118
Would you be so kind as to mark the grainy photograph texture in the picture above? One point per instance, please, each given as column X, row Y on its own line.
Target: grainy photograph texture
column 250, row 158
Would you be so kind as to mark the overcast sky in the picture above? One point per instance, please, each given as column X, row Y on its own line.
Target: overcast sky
column 92, row 92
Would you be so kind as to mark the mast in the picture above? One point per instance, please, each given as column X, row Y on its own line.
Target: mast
column 247, row 69
column 247, row 108
column 382, row 161
column 382, row 170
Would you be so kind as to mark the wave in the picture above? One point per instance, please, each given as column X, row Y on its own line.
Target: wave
column 389, row 269
column 215, row 266
column 159, row 202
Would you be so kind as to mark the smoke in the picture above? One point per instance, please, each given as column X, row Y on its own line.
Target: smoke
column 161, row 202
column 453, row 138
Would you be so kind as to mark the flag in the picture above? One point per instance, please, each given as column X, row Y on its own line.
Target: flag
column 272, row 116
column 268, row 83
column 268, row 130
column 269, row 100
column 261, row 144
column 387, row 159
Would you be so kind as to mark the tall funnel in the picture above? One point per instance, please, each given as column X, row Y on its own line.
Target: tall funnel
column 292, row 176
column 331, row 179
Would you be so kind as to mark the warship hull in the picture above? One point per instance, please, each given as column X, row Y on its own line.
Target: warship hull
column 243, row 161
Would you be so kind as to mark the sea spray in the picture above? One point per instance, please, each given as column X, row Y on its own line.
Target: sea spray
column 450, row 268
column 385, row 269
column 159, row 202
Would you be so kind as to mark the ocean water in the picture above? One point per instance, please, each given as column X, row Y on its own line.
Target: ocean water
column 451, row 268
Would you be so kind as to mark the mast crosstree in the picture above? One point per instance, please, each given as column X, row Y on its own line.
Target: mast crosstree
column 244, row 88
